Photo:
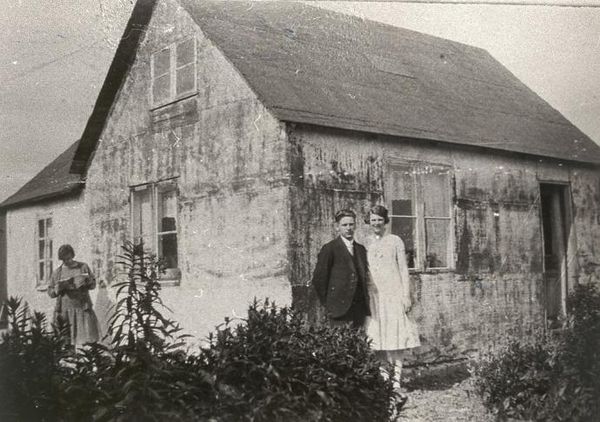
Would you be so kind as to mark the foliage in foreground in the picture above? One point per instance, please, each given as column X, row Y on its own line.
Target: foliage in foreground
column 272, row 366
column 553, row 379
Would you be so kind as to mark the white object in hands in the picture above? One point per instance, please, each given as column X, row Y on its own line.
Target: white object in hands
column 65, row 284
column 80, row 280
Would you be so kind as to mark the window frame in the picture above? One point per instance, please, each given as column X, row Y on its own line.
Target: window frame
column 41, row 283
column 173, row 68
column 420, row 218
column 155, row 188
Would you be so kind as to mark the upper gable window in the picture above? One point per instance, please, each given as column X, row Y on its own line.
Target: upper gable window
column 173, row 72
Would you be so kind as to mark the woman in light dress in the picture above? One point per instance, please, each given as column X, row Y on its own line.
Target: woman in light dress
column 70, row 284
column 390, row 326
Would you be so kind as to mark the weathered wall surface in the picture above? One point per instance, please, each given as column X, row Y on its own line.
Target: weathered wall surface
column 494, row 287
column 228, row 155
column 585, row 187
column 3, row 286
column 68, row 226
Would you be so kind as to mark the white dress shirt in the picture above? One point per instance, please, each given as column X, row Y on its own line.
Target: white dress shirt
column 349, row 244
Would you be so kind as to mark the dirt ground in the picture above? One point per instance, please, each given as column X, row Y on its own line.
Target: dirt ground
column 456, row 403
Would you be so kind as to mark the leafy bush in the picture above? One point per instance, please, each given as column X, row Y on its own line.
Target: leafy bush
column 278, row 367
column 30, row 364
column 514, row 381
column 553, row 379
column 272, row 366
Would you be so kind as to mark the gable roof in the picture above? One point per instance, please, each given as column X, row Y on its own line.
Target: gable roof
column 311, row 65
column 122, row 61
column 54, row 180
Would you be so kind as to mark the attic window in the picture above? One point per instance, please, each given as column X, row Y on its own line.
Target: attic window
column 173, row 72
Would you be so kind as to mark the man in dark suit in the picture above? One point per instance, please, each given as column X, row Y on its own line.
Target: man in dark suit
column 340, row 277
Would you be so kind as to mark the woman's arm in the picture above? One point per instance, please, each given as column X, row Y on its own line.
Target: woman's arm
column 52, row 284
column 404, row 276
column 90, row 281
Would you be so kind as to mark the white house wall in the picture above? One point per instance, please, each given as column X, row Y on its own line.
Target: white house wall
column 69, row 225
column 228, row 156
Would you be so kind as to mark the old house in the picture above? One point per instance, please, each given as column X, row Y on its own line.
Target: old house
column 226, row 135
column 45, row 213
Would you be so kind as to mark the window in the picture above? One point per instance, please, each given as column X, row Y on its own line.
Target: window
column 44, row 251
column 154, row 221
column 420, row 213
column 173, row 72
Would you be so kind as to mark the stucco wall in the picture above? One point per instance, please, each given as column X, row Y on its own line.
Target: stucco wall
column 495, row 285
column 585, row 185
column 68, row 226
column 228, row 154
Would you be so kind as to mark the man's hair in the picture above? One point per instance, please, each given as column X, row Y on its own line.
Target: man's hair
column 344, row 213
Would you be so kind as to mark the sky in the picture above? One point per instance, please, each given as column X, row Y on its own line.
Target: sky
column 54, row 56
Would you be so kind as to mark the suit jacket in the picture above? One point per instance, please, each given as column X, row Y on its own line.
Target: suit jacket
column 337, row 275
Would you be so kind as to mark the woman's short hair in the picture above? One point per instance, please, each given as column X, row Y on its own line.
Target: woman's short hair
column 379, row 210
column 65, row 250
column 344, row 213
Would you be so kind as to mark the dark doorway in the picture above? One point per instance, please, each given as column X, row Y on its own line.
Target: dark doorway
column 556, row 225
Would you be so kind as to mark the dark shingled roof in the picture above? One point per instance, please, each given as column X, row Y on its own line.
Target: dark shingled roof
column 53, row 181
column 311, row 65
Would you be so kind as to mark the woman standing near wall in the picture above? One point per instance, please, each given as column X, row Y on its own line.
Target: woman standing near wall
column 70, row 284
column 390, row 327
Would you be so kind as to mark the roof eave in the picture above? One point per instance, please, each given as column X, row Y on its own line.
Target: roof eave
column 414, row 137
column 68, row 191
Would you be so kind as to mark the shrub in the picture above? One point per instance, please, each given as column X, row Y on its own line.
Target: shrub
column 32, row 376
column 554, row 379
column 276, row 367
column 514, row 381
column 272, row 366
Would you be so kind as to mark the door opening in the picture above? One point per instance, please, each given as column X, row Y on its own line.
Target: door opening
column 556, row 225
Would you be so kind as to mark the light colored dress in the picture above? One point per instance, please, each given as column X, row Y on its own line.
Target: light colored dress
column 73, row 301
column 389, row 326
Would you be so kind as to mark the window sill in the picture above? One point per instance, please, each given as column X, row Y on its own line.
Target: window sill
column 42, row 288
column 171, row 277
column 432, row 271
column 158, row 107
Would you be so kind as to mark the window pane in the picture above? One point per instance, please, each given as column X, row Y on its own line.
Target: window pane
column 402, row 207
column 436, row 235
column 167, row 209
column 41, row 247
column 48, row 225
column 146, row 215
column 436, row 192
column 161, row 89
column 185, row 79
column 401, row 191
column 41, row 273
column 41, row 228
column 185, row 52
column 405, row 228
column 161, row 62
column 142, row 213
column 167, row 249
